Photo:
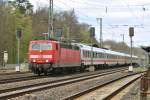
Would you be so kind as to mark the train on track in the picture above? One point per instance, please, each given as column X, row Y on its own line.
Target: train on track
column 45, row 56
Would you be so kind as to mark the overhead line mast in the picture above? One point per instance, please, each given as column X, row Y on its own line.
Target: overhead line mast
column 101, row 35
column 50, row 20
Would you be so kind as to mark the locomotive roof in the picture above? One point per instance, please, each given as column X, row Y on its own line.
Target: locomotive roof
column 42, row 41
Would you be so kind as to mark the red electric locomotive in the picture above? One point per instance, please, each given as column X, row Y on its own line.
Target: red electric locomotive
column 49, row 55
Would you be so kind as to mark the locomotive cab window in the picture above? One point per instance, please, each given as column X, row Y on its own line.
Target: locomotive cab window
column 41, row 46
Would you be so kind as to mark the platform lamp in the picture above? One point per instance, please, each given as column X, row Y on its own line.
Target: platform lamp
column 131, row 34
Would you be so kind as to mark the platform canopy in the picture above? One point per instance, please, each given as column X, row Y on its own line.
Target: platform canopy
column 146, row 48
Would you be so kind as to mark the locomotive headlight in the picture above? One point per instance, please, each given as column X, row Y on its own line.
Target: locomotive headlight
column 34, row 60
column 46, row 60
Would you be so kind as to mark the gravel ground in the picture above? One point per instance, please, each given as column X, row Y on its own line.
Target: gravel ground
column 60, row 92
column 6, row 71
column 41, row 80
column 134, row 93
column 103, row 92
column 29, row 82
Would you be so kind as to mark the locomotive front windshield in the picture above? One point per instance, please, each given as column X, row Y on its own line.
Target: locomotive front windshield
column 41, row 46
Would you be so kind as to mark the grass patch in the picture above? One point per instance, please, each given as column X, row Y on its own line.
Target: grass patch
column 139, row 69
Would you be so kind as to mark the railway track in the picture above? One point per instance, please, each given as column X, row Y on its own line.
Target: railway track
column 114, row 93
column 108, row 97
column 14, row 73
column 19, row 79
column 23, row 78
column 18, row 91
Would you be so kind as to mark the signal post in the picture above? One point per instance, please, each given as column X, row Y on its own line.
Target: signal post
column 131, row 34
column 18, row 36
column 92, row 34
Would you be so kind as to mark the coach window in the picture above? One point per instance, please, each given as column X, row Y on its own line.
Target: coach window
column 109, row 56
column 90, row 54
column 85, row 54
column 113, row 56
column 95, row 54
column 106, row 56
column 101, row 55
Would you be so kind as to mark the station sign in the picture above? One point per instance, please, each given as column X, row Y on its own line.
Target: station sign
column 5, row 56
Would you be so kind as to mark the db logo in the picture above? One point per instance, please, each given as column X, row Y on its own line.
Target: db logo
column 40, row 56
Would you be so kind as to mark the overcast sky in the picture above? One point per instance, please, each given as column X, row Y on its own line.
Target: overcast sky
column 118, row 16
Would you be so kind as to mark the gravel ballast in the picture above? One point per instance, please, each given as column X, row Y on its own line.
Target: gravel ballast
column 63, row 91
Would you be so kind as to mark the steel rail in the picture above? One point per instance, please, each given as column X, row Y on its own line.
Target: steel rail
column 79, row 94
column 19, row 79
column 120, row 89
column 13, row 73
column 9, row 93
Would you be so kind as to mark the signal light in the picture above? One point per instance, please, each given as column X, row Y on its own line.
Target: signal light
column 131, row 31
column 19, row 33
column 92, row 31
